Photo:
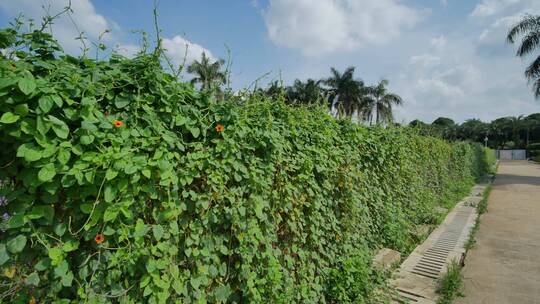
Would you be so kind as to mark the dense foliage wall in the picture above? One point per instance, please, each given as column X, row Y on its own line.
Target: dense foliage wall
column 121, row 184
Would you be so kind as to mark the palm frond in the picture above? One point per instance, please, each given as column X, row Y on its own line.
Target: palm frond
column 529, row 43
column 385, row 114
column 195, row 80
column 349, row 72
column 193, row 67
column 536, row 88
column 533, row 70
column 527, row 24
column 392, row 98
column 207, row 73
column 336, row 75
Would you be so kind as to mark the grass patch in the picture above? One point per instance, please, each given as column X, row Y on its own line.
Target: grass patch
column 482, row 208
column 450, row 284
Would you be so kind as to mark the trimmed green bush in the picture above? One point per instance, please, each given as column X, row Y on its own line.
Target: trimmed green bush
column 533, row 147
column 122, row 184
column 534, row 153
column 533, row 150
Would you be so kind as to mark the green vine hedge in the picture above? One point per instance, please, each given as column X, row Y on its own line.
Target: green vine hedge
column 122, row 184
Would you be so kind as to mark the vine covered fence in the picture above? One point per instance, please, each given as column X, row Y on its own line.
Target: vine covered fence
column 122, row 184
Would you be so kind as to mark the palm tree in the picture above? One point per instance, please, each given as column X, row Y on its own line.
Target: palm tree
column 533, row 128
column 500, row 129
column 517, row 125
column 381, row 103
column 529, row 27
column 308, row 92
column 345, row 93
column 274, row 90
column 207, row 73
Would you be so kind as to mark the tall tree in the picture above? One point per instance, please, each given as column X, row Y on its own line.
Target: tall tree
column 345, row 93
column 207, row 73
column 517, row 124
column 529, row 28
column 446, row 128
column 533, row 128
column 308, row 92
column 382, row 102
column 500, row 131
column 422, row 127
column 417, row 123
column 275, row 89
column 473, row 130
column 443, row 122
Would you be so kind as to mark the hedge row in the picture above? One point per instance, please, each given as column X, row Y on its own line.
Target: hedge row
column 122, row 184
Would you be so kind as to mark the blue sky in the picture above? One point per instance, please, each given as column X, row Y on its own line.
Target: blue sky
column 444, row 57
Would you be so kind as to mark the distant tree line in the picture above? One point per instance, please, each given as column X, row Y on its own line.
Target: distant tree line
column 345, row 95
column 501, row 133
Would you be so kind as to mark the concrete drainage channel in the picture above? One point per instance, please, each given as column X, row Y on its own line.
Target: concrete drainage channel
column 417, row 280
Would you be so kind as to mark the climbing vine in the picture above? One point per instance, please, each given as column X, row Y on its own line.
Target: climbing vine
column 121, row 183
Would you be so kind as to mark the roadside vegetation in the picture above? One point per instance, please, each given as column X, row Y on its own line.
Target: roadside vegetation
column 451, row 284
column 481, row 209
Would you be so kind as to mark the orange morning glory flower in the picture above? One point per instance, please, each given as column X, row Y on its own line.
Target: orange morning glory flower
column 99, row 238
column 118, row 123
column 220, row 128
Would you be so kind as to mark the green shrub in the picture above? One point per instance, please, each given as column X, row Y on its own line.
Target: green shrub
column 533, row 147
column 450, row 284
column 487, row 162
column 533, row 150
column 350, row 280
column 162, row 207
column 534, row 153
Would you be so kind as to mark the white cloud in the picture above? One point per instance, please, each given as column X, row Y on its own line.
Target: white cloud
column 85, row 16
column 325, row 26
column 438, row 42
column 504, row 14
column 489, row 8
column 472, row 72
column 128, row 50
column 176, row 50
column 496, row 32
column 463, row 81
column 492, row 7
column 425, row 60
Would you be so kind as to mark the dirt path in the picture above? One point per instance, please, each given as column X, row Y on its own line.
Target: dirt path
column 504, row 264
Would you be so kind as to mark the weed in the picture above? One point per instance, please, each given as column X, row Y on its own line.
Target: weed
column 481, row 208
column 450, row 285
